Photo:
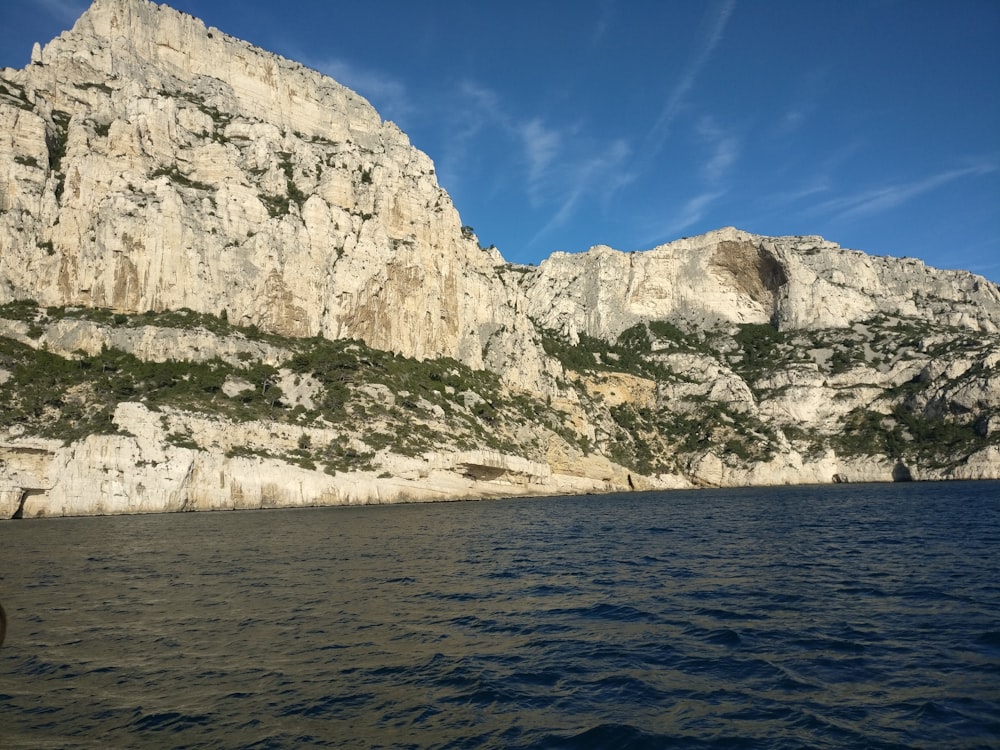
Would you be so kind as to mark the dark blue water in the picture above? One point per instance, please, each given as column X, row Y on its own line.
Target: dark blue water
column 844, row 616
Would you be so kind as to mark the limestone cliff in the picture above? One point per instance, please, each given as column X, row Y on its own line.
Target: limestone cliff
column 736, row 277
column 225, row 282
column 152, row 163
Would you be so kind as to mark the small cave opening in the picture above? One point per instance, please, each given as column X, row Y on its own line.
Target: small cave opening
column 25, row 494
column 901, row 473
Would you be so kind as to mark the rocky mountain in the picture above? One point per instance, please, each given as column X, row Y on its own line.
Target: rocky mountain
column 156, row 164
column 225, row 281
column 731, row 276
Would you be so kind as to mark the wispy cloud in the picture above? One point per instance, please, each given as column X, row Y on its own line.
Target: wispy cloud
column 386, row 93
column 467, row 111
column 603, row 21
column 796, row 187
column 791, row 120
column 982, row 269
column 541, row 146
column 556, row 166
column 481, row 97
column 724, row 147
column 675, row 101
column 878, row 200
column 811, row 87
column 562, row 166
column 473, row 109
column 981, row 256
column 691, row 213
column 600, row 175
column 65, row 11
column 783, row 198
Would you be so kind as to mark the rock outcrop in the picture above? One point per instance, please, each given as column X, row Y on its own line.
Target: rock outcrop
column 140, row 471
column 156, row 164
column 736, row 277
column 226, row 282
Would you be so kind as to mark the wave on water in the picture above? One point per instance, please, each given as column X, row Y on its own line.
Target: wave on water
column 850, row 616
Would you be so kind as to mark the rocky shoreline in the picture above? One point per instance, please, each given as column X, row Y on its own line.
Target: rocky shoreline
column 140, row 472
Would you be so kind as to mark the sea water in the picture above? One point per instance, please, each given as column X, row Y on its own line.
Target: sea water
column 821, row 617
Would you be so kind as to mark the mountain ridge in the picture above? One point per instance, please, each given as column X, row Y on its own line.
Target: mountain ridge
column 171, row 195
column 793, row 282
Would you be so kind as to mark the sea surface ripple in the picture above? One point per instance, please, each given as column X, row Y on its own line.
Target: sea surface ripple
column 820, row 617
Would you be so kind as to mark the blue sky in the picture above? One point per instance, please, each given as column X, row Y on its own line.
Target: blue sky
column 560, row 124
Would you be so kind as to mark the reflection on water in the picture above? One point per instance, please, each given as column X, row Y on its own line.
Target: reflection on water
column 864, row 616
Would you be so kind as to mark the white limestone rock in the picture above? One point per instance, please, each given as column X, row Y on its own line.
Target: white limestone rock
column 140, row 470
column 162, row 165
column 148, row 163
column 734, row 277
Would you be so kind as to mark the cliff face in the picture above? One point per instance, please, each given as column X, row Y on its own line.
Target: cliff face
column 156, row 164
column 226, row 282
column 731, row 276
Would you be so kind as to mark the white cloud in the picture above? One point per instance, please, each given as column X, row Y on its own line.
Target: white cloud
column 541, row 146
column 556, row 167
column 885, row 198
column 791, row 120
column 725, row 151
column 811, row 85
column 387, row 94
column 598, row 176
column 65, row 11
column 481, row 98
column 802, row 186
column 466, row 112
column 675, row 102
column 691, row 213
column 782, row 198
column 603, row 21
column 562, row 165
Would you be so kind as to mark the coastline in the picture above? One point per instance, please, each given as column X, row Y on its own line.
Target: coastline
column 139, row 471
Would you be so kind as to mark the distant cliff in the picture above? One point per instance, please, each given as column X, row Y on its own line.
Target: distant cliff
column 226, row 282
column 731, row 276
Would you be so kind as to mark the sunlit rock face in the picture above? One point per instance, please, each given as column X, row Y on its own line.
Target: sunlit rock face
column 732, row 276
column 152, row 163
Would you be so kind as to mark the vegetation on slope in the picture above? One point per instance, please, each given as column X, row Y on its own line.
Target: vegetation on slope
column 710, row 390
column 689, row 419
column 374, row 399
